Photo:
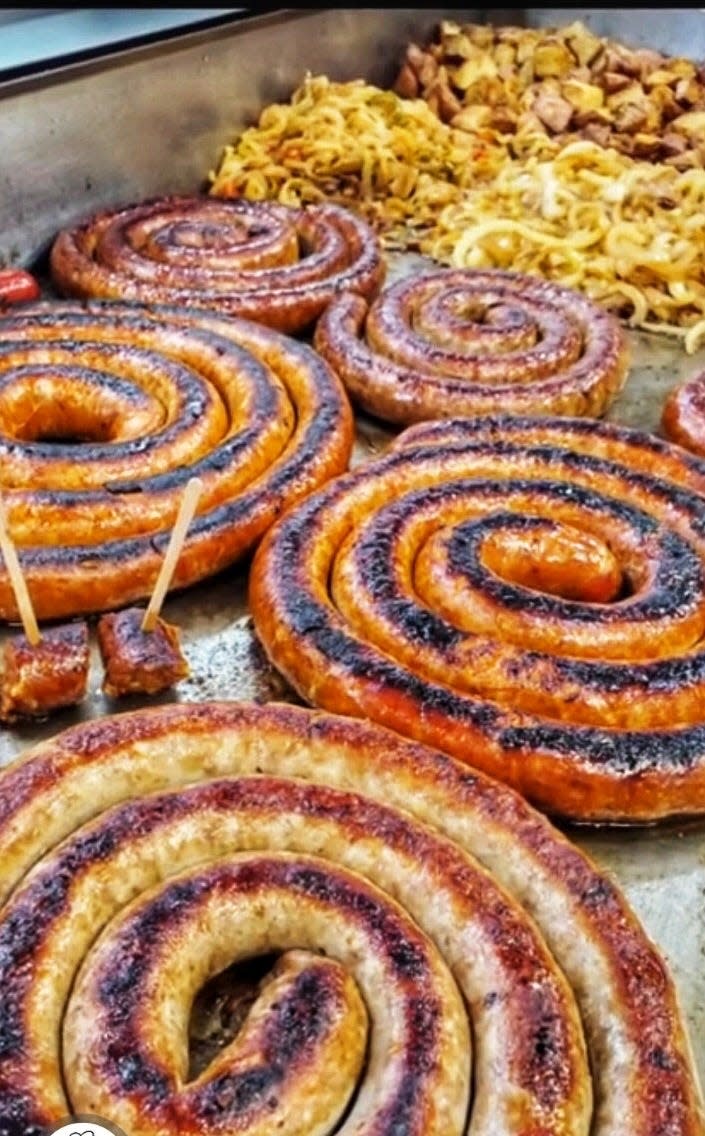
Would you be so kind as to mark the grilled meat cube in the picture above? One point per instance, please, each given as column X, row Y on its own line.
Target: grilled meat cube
column 48, row 676
column 137, row 661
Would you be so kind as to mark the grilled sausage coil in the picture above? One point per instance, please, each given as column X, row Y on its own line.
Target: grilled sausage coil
column 509, row 988
column 106, row 410
column 526, row 594
column 445, row 343
column 256, row 260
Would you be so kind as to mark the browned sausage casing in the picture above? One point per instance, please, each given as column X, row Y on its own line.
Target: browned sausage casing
column 454, row 342
column 525, row 593
column 106, row 411
column 449, row 962
column 259, row 260
column 683, row 414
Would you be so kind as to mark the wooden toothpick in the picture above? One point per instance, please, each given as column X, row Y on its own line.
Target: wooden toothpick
column 187, row 508
column 19, row 585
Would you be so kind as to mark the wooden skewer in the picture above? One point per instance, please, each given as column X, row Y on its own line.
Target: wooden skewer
column 187, row 508
column 19, row 585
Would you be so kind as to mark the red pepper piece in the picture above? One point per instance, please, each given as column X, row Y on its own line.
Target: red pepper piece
column 17, row 286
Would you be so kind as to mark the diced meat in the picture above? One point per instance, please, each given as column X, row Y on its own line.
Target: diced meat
column 554, row 111
column 39, row 679
column 137, row 661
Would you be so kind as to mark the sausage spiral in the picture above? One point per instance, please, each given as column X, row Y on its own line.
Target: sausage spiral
column 257, row 260
column 448, row 343
column 510, row 989
column 525, row 593
column 683, row 414
column 107, row 410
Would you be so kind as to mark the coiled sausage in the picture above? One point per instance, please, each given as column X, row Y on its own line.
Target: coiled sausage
column 488, row 950
column 106, row 410
column 257, row 260
column 454, row 342
column 525, row 593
